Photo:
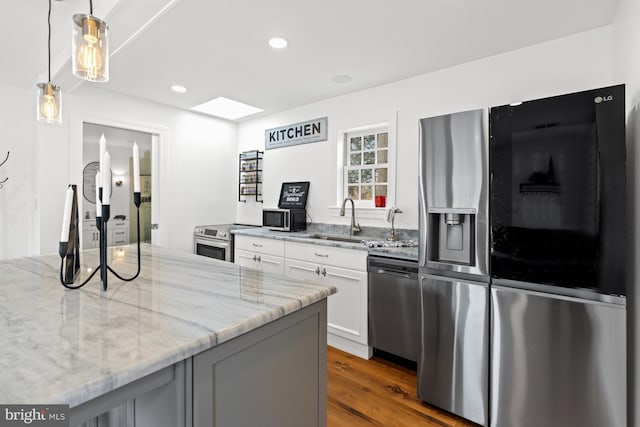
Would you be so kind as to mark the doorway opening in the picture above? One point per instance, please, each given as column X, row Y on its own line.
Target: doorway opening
column 122, row 224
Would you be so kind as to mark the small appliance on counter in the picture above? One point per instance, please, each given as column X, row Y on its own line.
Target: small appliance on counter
column 291, row 214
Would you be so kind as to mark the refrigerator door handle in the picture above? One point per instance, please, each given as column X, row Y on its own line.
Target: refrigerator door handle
column 422, row 220
column 544, row 291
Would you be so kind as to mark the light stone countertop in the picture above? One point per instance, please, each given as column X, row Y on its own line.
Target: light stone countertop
column 409, row 253
column 70, row 346
column 298, row 236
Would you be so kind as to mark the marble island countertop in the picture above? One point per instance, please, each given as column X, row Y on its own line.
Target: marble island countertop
column 349, row 242
column 70, row 346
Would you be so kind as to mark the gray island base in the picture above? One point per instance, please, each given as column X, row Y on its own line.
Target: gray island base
column 192, row 342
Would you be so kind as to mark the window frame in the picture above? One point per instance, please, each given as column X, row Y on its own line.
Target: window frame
column 365, row 122
column 362, row 166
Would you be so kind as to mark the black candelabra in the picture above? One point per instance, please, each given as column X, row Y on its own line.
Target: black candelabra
column 70, row 253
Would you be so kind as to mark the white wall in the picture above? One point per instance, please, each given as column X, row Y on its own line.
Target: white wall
column 198, row 157
column 17, row 135
column 569, row 64
column 626, row 56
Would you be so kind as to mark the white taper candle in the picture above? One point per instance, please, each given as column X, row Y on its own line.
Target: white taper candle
column 103, row 150
column 106, row 179
column 98, row 203
column 66, row 219
column 136, row 168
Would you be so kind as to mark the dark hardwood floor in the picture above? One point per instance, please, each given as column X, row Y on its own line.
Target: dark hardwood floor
column 377, row 392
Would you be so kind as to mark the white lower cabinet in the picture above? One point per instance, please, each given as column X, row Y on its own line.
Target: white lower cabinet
column 347, row 309
column 90, row 235
column 346, row 269
column 266, row 255
column 117, row 233
column 263, row 262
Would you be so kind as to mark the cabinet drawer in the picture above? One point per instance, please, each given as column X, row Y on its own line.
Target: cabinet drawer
column 265, row 246
column 118, row 224
column 89, row 225
column 340, row 257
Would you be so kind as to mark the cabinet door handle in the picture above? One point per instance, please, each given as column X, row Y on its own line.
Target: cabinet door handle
column 255, row 257
column 324, row 272
column 321, row 255
column 259, row 258
column 256, row 245
column 318, row 271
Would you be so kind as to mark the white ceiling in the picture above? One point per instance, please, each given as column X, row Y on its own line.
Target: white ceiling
column 219, row 47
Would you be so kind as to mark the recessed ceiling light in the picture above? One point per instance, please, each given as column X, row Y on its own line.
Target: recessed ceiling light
column 178, row 88
column 226, row 108
column 515, row 104
column 341, row 78
column 278, row 42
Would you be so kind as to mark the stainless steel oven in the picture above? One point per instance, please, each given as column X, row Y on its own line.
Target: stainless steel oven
column 212, row 243
column 215, row 241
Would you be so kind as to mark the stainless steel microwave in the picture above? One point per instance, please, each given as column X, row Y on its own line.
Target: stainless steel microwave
column 284, row 219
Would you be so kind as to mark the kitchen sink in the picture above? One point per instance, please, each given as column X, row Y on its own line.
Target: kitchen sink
column 336, row 238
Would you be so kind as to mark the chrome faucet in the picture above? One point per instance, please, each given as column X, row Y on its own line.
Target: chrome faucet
column 391, row 216
column 354, row 227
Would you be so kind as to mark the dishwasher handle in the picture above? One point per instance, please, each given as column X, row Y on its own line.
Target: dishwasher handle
column 393, row 273
column 396, row 267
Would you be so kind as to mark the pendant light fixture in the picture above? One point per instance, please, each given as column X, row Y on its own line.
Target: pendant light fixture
column 49, row 99
column 90, row 53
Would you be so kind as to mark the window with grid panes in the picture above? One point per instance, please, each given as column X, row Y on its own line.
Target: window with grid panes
column 366, row 169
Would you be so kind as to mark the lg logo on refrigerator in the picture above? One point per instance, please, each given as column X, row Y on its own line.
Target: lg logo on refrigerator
column 599, row 99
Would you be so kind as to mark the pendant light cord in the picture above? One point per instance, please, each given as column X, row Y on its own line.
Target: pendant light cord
column 49, row 40
column 90, row 7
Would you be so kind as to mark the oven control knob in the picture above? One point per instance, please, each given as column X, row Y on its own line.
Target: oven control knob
column 222, row 234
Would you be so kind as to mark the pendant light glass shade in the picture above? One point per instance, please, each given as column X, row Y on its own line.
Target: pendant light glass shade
column 49, row 96
column 49, row 103
column 90, row 48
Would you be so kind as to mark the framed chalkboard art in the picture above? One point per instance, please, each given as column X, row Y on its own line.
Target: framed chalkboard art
column 293, row 195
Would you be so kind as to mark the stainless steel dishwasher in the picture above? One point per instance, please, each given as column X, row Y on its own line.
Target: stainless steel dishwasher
column 394, row 306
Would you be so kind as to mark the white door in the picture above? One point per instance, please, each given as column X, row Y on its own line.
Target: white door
column 303, row 270
column 347, row 309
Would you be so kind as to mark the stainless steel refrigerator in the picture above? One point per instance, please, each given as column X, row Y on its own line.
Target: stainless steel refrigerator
column 558, row 261
column 453, row 361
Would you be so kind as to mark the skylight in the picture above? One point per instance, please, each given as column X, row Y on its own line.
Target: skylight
column 226, row 108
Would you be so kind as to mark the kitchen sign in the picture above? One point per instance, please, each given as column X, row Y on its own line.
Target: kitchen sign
column 298, row 133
